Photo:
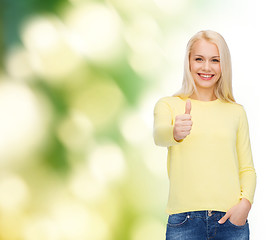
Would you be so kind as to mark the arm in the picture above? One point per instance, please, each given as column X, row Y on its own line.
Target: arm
column 239, row 212
column 163, row 125
column 247, row 172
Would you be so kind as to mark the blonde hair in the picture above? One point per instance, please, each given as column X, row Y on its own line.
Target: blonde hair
column 223, row 87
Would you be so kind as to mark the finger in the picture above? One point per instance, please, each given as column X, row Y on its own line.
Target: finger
column 186, row 128
column 186, row 117
column 188, row 107
column 187, row 133
column 183, row 117
column 223, row 219
column 188, row 123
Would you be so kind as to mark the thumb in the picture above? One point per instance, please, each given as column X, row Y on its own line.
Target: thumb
column 188, row 107
column 223, row 219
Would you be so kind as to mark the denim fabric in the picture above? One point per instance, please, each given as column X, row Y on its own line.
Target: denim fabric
column 203, row 225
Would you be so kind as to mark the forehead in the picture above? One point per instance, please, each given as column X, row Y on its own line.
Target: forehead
column 204, row 48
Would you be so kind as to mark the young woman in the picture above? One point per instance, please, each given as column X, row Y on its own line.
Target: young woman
column 209, row 161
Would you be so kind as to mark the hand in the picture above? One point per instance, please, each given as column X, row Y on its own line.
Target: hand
column 183, row 123
column 238, row 213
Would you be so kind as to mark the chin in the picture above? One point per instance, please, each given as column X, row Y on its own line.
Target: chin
column 205, row 84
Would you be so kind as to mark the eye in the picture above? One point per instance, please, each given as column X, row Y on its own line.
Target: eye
column 198, row 59
column 216, row 60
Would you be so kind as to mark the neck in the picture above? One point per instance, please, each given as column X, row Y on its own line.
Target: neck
column 203, row 96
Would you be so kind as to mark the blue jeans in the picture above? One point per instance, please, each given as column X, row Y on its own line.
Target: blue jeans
column 203, row 225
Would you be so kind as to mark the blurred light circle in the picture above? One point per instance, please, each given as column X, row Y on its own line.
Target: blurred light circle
column 51, row 55
column 40, row 227
column 75, row 131
column 95, row 30
column 76, row 221
column 22, row 122
column 141, row 29
column 18, row 63
column 100, row 101
column 107, row 163
column 133, row 128
column 14, row 193
column 143, row 36
column 41, row 33
column 171, row 7
column 147, row 228
column 154, row 159
column 84, row 186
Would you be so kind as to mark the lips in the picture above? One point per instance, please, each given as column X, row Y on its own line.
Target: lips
column 206, row 76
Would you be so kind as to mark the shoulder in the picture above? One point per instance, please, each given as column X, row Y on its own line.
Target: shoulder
column 168, row 104
column 237, row 107
column 170, row 100
column 240, row 113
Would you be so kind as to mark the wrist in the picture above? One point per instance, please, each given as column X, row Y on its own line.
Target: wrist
column 246, row 202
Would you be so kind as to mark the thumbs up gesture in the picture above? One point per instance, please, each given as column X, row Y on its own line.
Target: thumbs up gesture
column 183, row 123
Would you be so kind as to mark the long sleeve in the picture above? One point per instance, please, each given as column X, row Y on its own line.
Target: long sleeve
column 246, row 167
column 213, row 167
column 163, row 125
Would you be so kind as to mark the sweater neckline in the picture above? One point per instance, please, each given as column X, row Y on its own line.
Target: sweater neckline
column 205, row 102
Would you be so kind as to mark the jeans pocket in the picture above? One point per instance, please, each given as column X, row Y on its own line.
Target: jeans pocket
column 237, row 226
column 178, row 219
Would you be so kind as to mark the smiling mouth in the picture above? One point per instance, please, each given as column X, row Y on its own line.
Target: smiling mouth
column 206, row 76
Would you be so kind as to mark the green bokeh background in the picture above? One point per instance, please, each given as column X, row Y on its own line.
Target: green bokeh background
column 78, row 83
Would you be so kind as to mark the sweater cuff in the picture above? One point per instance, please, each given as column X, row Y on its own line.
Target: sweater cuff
column 246, row 197
column 173, row 141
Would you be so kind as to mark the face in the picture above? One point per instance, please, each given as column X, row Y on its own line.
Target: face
column 204, row 64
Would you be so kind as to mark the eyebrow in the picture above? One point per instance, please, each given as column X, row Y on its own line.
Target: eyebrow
column 203, row 56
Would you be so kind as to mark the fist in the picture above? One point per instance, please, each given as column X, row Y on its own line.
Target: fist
column 183, row 123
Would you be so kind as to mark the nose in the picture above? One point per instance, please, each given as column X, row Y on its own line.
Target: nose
column 206, row 66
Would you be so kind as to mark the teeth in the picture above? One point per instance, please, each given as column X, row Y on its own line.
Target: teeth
column 206, row 76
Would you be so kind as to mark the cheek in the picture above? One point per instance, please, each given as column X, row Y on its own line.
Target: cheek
column 193, row 67
column 218, row 69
